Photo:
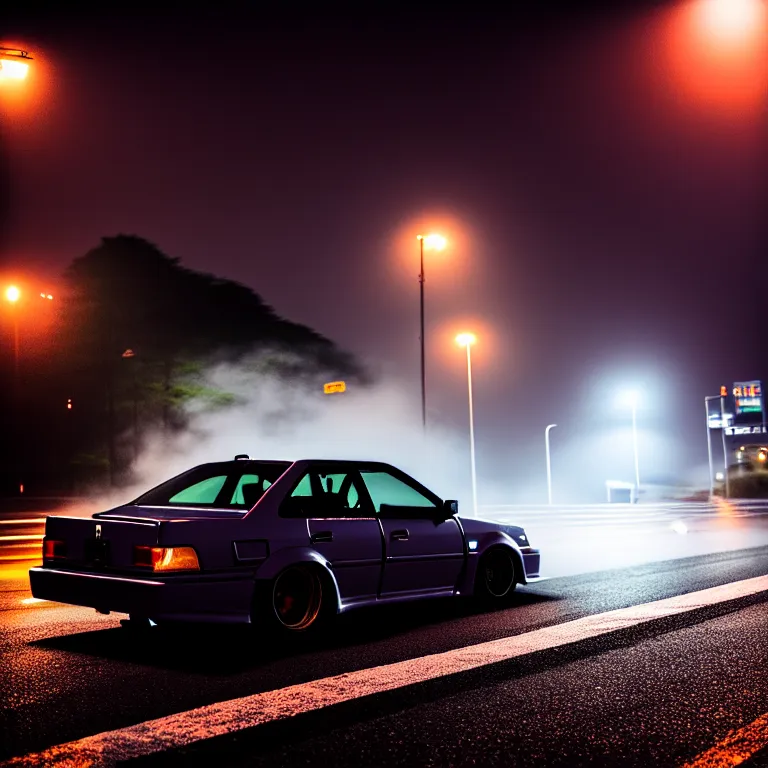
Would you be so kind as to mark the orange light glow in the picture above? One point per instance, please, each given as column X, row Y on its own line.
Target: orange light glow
column 439, row 232
column 12, row 293
column 433, row 242
column 27, row 84
column 13, row 69
column 724, row 508
column 731, row 20
column 166, row 558
column 466, row 339
column 717, row 52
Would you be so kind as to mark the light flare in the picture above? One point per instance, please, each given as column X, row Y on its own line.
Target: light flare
column 724, row 508
column 13, row 69
column 12, row 293
column 433, row 242
column 717, row 53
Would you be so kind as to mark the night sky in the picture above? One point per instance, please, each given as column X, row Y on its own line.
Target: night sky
column 599, row 172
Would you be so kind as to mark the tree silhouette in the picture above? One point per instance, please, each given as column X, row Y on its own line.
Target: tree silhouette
column 138, row 330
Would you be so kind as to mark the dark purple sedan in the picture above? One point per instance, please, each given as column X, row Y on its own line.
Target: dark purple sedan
column 278, row 543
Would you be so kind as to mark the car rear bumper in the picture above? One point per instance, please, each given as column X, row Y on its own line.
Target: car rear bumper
column 198, row 597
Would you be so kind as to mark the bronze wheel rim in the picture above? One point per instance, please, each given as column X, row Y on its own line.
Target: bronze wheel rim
column 296, row 597
column 498, row 573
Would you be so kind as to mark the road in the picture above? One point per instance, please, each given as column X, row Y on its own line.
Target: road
column 549, row 680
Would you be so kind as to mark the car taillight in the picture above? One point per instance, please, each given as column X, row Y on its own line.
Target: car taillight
column 54, row 550
column 166, row 558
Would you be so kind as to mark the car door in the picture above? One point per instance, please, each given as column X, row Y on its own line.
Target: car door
column 343, row 528
column 422, row 553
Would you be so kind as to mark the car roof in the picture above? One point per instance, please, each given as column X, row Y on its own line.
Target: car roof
column 304, row 462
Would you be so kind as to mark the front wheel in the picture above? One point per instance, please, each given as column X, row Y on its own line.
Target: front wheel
column 297, row 598
column 495, row 580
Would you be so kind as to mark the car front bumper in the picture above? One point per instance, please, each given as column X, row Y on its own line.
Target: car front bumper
column 531, row 562
column 220, row 598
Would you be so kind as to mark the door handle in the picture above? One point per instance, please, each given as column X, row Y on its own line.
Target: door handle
column 401, row 535
column 321, row 536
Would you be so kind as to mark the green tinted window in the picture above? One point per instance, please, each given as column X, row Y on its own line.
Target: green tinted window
column 304, row 488
column 204, row 492
column 338, row 482
column 238, row 497
column 387, row 489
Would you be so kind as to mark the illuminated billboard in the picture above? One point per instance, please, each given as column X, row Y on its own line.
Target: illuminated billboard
column 748, row 397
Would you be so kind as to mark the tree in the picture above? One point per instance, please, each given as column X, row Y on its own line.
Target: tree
column 138, row 330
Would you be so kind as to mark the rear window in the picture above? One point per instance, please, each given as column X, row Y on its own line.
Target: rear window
column 230, row 485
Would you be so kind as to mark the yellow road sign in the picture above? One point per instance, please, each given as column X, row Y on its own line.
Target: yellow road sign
column 334, row 387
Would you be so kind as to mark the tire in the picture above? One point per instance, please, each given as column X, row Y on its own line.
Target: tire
column 496, row 575
column 296, row 599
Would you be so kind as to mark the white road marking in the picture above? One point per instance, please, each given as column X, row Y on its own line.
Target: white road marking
column 179, row 730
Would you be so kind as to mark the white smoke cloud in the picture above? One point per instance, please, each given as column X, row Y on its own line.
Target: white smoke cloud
column 274, row 418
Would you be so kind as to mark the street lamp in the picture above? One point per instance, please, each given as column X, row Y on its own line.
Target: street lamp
column 12, row 295
column 549, row 463
column 435, row 243
column 14, row 64
column 631, row 398
column 467, row 340
column 723, row 418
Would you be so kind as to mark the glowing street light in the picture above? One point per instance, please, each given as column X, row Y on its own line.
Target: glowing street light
column 467, row 340
column 14, row 64
column 631, row 398
column 12, row 294
column 431, row 242
column 732, row 20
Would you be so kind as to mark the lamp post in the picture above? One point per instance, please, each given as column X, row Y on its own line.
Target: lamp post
column 467, row 340
column 549, row 463
column 709, row 445
column 435, row 243
column 725, row 447
column 12, row 295
column 723, row 425
column 631, row 398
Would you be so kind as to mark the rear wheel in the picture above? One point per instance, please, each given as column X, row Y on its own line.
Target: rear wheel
column 297, row 598
column 495, row 580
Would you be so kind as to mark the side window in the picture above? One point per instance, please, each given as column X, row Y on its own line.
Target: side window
column 319, row 494
column 239, row 495
column 204, row 492
column 304, row 488
column 388, row 489
column 341, row 486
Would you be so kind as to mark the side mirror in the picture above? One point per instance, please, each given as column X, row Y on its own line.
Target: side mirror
column 450, row 508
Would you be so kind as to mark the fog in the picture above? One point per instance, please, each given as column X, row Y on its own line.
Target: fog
column 279, row 418
column 275, row 418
